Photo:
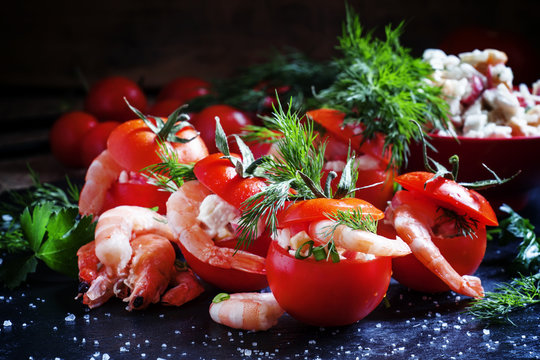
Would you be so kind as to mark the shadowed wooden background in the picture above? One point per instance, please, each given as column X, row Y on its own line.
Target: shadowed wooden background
column 48, row 45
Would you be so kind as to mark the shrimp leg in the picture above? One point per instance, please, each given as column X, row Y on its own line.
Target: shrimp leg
column 185, row 287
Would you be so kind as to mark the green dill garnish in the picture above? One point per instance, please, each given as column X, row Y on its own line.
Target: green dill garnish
column 383, row 87
column 170, row 174
column 497, row 305
column 463, row 225
column 524, row 289
column 354, row 219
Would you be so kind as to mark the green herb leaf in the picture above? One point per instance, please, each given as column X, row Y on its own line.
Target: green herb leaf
column 66, row 235
column 34, row 225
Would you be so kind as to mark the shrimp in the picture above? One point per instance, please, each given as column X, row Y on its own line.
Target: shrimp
column 101, row 174
column 150, row 271
column 185, row 287
column 248, row 311
column 358, row 240
column 413, row 219
column 115, row 229
column 182, row 212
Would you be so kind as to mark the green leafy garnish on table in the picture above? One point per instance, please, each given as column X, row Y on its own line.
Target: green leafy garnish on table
column 524, row 289
column 41, row 224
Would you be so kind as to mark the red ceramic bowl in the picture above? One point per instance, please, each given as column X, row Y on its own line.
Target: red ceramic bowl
column 505, row 156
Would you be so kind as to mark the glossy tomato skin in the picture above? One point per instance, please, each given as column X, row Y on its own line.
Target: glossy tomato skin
column 464, row 254
column 184, row 89
column 219, row 176
column 450, row 194
column 95, row 141
column 134, row 146
column 105, row 99
column 323, row 293
column 232, row 121
column 136, row 194
column 66, row 135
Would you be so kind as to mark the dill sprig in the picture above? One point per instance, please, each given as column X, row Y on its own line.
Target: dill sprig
column 169, row 174
column 383, row 87
column 508, row 297
column 464, row 226
column 355, row 219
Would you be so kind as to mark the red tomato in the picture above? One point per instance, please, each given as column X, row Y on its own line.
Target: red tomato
column 133, row 145
column 463, row 253
column 105, row 100
column 95, row 141
column 324, row 293
column 164, row 108
column 137, row 194
column 332, row 121
column 219, row 175
column 232, row 121
column 184, row 89
column 316, row 209
column 66, row 135
column 450, row 194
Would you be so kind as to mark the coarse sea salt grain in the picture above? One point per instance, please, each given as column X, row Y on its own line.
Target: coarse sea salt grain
column 69, row 318
column 7, row 323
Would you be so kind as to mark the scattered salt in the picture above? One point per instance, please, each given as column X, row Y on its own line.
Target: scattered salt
column 7, row 323
column 69, row 318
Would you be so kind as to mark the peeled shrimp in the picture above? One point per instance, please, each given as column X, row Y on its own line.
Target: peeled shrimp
column 182, row 211
column 150, row 271
column 358, row 240
column 117, row 226
column 247, row 311
column 413, row 219
column 101, row 174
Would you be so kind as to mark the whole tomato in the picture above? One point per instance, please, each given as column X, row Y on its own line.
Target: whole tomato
column 184, row 89
column 232, row 120
column 105, row 99
column 220, row 177
column 164, row 108
column 324, row 293
column 66, row 135
column 95, row 141
column 135, row 145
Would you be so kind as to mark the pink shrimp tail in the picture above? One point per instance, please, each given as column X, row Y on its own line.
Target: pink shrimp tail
column 472, row 286
column 185, row 288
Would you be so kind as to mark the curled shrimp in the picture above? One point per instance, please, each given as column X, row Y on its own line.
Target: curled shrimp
column 115, row 229
column 182, row 211
column 101, row 174
column 413, row 219
column 150, row 271
column 247, row 311
column 357, row 240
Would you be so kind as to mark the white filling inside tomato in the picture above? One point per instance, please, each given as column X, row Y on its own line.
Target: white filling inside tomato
column 217, row 217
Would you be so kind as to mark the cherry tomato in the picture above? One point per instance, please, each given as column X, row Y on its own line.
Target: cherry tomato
column 66, row 135
column 95, row 141
column 324, row 293
column 105, row 99
column 219, row 175
column 184, row 89
column 164, row 108
column 134, row 145
column 232, row 121
column 332, row 121
column 136, row 193
column 450, row 194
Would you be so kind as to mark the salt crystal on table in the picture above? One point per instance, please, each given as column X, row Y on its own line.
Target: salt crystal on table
column 7, row 323
column 69, row 318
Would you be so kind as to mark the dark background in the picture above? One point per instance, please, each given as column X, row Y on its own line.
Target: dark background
column 45, row 43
